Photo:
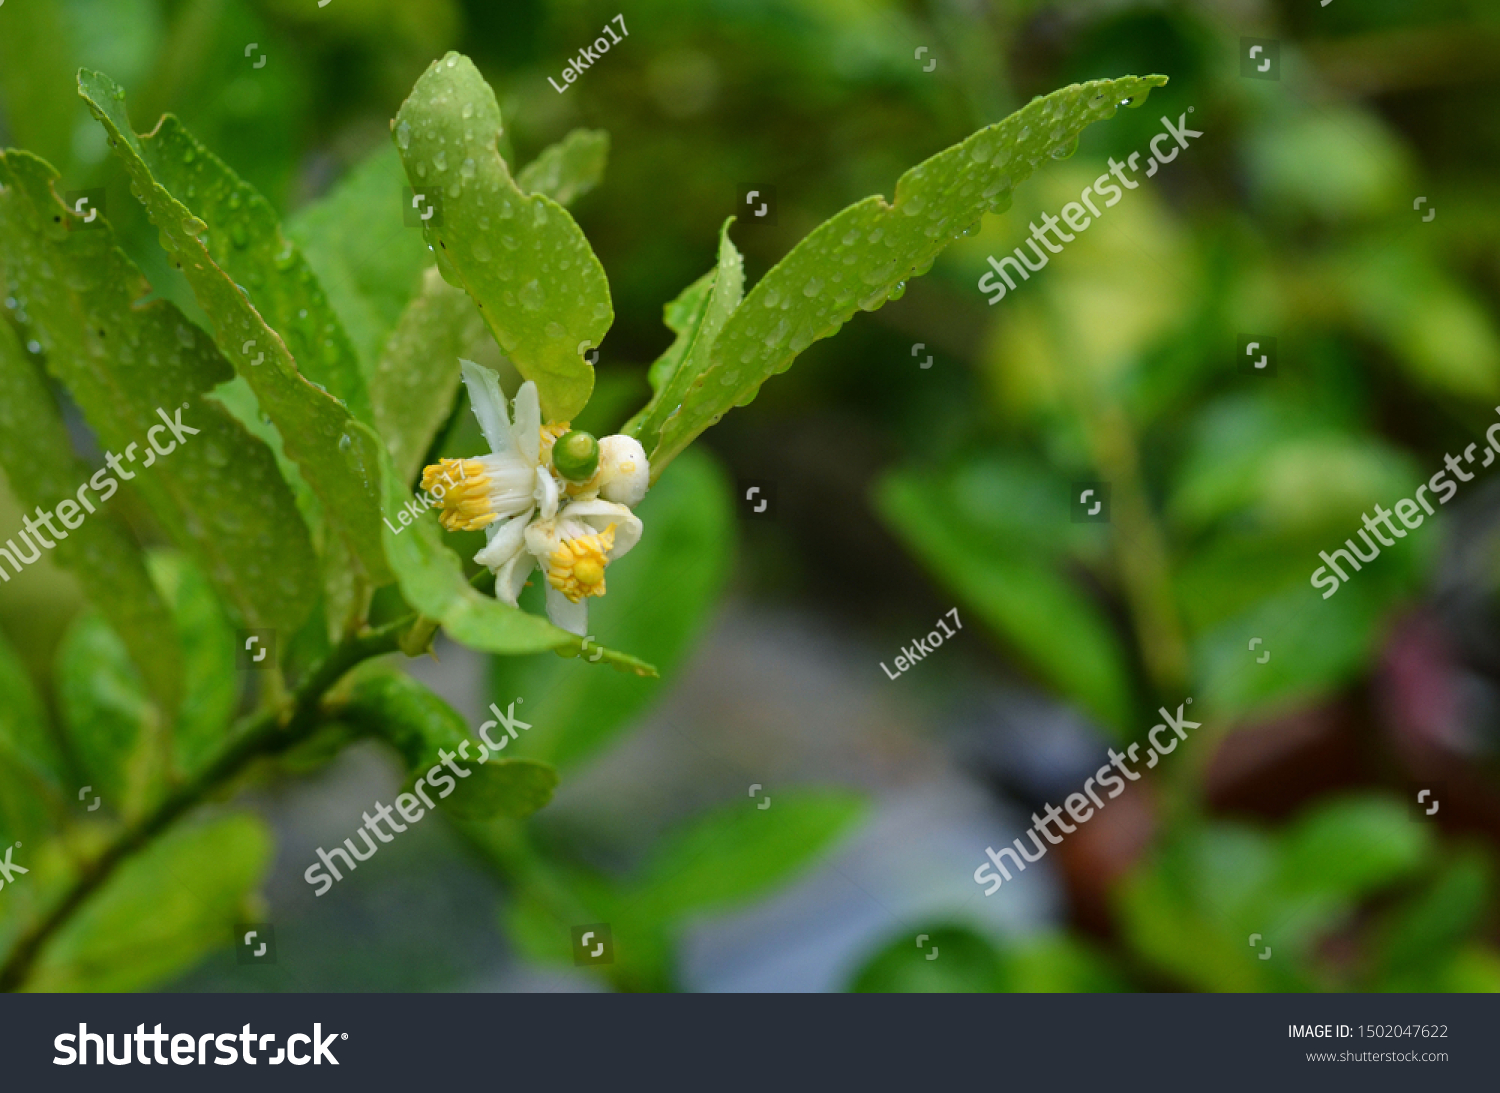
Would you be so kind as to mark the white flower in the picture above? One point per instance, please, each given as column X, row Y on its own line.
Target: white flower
column 503, row 491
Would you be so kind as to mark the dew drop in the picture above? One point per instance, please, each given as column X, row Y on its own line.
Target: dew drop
column 813, row 287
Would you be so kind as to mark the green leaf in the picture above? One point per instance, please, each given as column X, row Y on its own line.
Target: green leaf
column 243, row 238
column 523, row 259
column 418, row 376
column 966, row 963
column 367, row 259
column 1350, row 847
column 661, row 596
column 424, row 728
column 739, row 851
column 127, row 366
column 100, row 551
column 697, row 334
column 36, row 80
column 859, row 258
column 338, row 456
column 1051, row 623
column 211, row 678
column 161, row 912
column 567, row 170
column 30, row 765
column 1438, row 919
column 114, row 730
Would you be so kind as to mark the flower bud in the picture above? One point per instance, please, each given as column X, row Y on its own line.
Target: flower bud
column 576, row 456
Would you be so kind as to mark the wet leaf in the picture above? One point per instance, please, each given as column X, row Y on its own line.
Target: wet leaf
column 99, row 548
column 130, row 367
column 567, row 170
column 338, row 456
column 161, row 912
column 858, row 259
column 701, row 316
column 521, row 257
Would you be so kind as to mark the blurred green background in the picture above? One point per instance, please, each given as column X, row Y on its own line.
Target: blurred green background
column 902, row 491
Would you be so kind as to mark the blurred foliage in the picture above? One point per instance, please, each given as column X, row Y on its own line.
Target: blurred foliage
column 1292, row 215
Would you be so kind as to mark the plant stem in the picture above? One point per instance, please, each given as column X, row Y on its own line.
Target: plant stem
column 266, row 733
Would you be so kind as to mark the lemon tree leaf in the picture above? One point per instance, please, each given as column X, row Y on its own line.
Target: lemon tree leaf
column 567, row 170
column 130, row 366
column 521, row 256
column 739, row 850
column 99, row 549
column 863, row 255
column 367, row 258
column 31, row 767
column 418, row 375
column 338, row 455
column 1018, row 593
column 243, row 238
column 424, row 728
column 210, row 677
column 699, row 329
column 115, row 731
column 161, row 912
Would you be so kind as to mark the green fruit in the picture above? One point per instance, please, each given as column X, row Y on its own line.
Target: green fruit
column 576, row 456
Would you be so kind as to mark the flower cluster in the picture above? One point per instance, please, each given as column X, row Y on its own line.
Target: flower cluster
column 546, row 496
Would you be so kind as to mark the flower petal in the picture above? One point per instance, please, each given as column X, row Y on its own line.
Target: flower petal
column 511, row 577
column 564, row 613
column 506, row 539
column 528, row 431
column 599, row 515
column 546, row 492
column 489, row 405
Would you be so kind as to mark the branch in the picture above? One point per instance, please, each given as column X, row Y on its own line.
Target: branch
column 266, row 733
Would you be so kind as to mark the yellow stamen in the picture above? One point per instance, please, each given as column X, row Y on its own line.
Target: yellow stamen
column 576, row 569
column 465, row 490
column 550, row 433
